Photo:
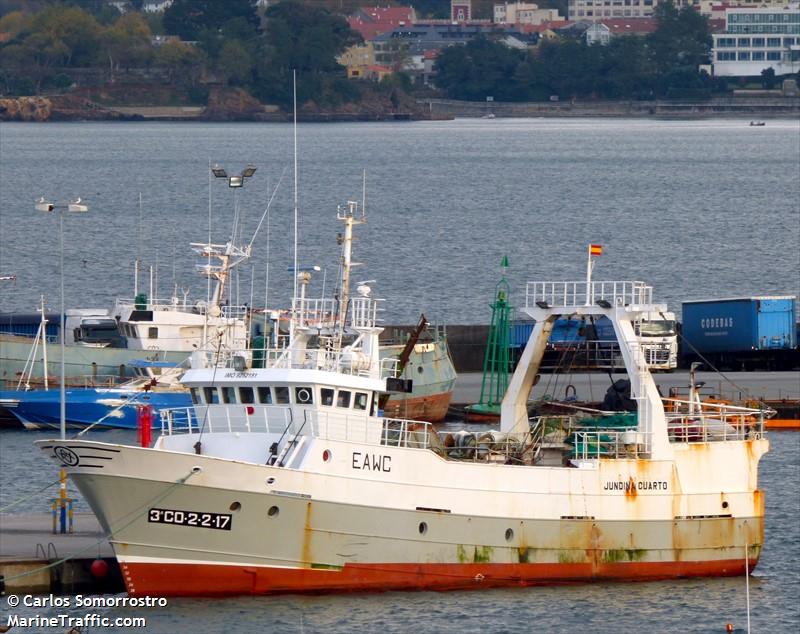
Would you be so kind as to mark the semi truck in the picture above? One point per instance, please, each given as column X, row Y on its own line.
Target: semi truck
column 587, row 344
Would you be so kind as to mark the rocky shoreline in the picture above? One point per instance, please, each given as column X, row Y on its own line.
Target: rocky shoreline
column 239, row 106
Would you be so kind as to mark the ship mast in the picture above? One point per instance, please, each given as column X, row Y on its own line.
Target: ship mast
column 350, row 217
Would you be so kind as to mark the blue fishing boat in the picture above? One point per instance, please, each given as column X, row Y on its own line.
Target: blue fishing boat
column 97, row 407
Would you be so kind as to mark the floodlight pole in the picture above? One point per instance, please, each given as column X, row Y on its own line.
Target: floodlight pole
column 72, row 207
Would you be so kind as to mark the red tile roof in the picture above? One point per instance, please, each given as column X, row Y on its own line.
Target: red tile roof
column 372, row 21
column 388, row 14
column 630, row 25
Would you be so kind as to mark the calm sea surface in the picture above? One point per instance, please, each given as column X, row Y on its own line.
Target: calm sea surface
column 699, row 209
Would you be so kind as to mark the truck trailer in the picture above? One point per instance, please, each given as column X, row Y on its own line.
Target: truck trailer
column 741, row 333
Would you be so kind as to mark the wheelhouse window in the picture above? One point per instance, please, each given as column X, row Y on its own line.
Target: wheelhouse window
column 264, row 395
column 361, row 400
column 228, row 394
column 152, row 333
column 343, row 398
column 210, row 394
column 326, row 396
column 282, row 395
column 195, row 395
column 246, row 395
column 303, row 395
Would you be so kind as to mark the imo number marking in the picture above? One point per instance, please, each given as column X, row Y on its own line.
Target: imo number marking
column 219, row 521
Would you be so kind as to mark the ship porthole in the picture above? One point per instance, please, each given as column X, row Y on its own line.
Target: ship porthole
column 326, row 456
column 270, row 480
column 236, row 506
column 420, row 369
column 724, row 505
column 273, row 511
column 509, row 534
column 423, row 528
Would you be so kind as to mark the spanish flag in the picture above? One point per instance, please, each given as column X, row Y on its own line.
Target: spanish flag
column 595, row 249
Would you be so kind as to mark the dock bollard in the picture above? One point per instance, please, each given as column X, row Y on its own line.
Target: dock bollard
column 63, row 515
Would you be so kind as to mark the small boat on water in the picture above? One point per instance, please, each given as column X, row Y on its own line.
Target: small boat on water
column 286, row 478
column 757, row 123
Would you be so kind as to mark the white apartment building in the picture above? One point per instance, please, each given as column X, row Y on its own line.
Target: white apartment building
column 756, row 39
column 716, row 8
column 595, row 10
column 523, row 13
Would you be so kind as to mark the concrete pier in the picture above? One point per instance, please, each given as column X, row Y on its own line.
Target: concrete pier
column 31, row 556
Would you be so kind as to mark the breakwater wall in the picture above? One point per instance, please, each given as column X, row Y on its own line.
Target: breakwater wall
column 736, row 106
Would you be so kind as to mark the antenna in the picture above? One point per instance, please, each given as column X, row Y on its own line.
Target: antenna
column 364, row 193
column 294, row 97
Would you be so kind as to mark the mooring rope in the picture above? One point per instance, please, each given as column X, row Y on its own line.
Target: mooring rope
column 137, row 513
column 28, row 497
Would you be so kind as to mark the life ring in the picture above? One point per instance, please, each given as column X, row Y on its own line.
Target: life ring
column 303, row 395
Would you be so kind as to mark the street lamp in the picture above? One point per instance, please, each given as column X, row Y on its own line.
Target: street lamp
column 72, row 207
column 234, row 180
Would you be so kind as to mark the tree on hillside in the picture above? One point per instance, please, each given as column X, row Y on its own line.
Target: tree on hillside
column 304, row 38
column 66, row 36
column 184, row 63
column 623, row 70
column 679, row 45
column 127, row 42
column 478, row 69
column 236, row 63
column 189, row 18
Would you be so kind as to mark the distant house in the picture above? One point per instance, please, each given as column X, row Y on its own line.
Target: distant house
column 395, row 47
column 156, row 6
column 460, row 10
column 602, row 32
column 372, row 21
column 597, row 33
column 373, row 72
column 632, row 26
column 358, row 55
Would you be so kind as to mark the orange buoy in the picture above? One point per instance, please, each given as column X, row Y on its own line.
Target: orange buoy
column 729, row 627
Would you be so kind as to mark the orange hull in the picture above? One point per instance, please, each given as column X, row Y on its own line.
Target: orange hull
column 432, row 408
column 782, row 423
column 171, row 579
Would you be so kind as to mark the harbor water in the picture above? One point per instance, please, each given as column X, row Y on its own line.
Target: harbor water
column 699, row 209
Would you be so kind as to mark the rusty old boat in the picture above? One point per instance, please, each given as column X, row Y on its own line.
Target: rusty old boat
column 286, row 478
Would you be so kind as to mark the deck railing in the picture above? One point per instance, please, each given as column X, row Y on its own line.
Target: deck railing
column 343, row 361
column 176, row 305
column 712, row 422
column 575, row 294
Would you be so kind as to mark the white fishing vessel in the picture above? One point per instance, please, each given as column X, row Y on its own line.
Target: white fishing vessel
column 286, row 478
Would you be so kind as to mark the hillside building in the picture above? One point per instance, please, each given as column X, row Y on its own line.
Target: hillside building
column 756, row 39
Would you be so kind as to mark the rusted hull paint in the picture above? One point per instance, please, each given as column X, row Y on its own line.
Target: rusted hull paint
column 173, row 579
column 432, row 407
